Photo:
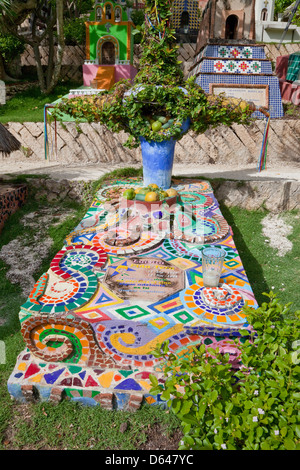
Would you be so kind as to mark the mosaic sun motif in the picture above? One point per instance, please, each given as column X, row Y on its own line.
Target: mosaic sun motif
column 224, row 307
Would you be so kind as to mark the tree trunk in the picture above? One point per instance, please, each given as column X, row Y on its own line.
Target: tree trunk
column 39, row 67
column 60, row 45
column 3, row 75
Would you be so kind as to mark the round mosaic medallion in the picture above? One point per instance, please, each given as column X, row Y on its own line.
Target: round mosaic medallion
column 78, row 256
column 221, row 297
column 114, row 192
column 128, row 242
column 222, row 305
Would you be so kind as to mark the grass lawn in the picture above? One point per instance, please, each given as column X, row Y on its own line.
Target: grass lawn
column 71, row 426
column 28, row 106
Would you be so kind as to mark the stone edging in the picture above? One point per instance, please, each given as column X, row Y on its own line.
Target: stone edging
column 274, row 196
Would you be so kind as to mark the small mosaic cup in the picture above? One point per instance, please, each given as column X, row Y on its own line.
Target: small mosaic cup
column 212, row 265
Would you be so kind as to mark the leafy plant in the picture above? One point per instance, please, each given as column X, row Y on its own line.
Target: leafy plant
column 253, row 408
column 10, row 46
column 159, row 89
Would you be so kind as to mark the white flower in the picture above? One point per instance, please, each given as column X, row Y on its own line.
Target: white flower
column 276, row 432
column 215, row 431
column 261, row 412
column 256, row 392
column 254, row 418
column 223, row 446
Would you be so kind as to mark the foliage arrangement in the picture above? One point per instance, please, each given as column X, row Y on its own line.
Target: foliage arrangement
column 253, row 408
column 10, row 47
column 47, row 26
column 159, row 89
column 285, row 7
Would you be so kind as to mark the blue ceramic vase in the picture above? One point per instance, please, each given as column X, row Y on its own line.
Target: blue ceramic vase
column 158, row 158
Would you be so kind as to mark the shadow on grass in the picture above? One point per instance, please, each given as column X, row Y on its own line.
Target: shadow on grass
column 251, row 265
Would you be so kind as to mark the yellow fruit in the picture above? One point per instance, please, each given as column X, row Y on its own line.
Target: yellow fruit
column 153, row 186
column 225, row 102
column 171, row 192
column 151, row 196
column 137, row 190
column 243, row 105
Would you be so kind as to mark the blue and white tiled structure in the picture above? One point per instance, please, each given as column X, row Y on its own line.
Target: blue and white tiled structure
column 238, row 65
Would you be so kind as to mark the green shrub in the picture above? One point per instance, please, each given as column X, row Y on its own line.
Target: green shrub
column 75, row 31
column 253, row 408
column 10, row 46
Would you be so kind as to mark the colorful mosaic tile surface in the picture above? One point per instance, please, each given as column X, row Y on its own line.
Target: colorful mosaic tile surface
column 126, row 280
column 238, row 65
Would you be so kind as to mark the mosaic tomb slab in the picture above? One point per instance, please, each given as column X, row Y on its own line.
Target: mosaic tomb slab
column 117, row 289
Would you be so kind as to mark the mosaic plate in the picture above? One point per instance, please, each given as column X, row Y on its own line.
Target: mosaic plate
column 193, row 300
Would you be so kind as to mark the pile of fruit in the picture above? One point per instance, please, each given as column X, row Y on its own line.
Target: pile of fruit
column 160, row 123
column 151, row 193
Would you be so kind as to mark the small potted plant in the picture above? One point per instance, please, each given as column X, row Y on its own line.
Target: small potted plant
column 159, row 107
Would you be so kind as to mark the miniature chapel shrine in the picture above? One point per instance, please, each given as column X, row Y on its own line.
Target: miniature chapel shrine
column 109, row 46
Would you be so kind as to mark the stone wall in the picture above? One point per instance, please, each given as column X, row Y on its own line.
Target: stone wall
column 235, row 146
column 74, row 57
column 250, row 195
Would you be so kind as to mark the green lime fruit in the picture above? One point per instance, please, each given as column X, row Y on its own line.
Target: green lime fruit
column 129, row 194
column 156, row 126
column 143, row 191
column 162, row 119
column 167, row 125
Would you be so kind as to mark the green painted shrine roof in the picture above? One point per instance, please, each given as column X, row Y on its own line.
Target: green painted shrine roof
column 114, row 4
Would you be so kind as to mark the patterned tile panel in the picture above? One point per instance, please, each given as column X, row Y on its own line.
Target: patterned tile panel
column 233, row 66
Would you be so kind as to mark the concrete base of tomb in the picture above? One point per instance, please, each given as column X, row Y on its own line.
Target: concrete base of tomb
column 33, row 380
column 124, row 388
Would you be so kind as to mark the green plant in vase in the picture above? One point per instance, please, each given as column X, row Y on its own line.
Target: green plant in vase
column 159, row 106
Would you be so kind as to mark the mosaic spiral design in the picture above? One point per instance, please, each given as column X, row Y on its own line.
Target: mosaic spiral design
column 70, row 282
column 58, row 340
column 202, row 201
column 128, row 342
column 203, row 230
